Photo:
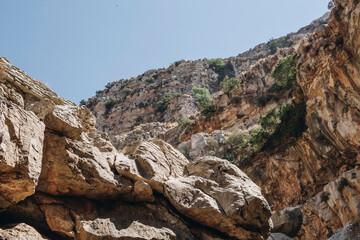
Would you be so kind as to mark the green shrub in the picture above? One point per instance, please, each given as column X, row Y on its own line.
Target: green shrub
column 185, row 122
column 161, row 105
column 150, row 80
column 211, row 153
column 109, row 85
column 207, row 108
column 216, row 63
column 285, row 72
column 98, row 92
column 281, row 42
column 126, row 90
column 237, row 140
column 82, row 102
column 245, row 159
column 228, row 85
column 258, row 138
column 202, row 95
column 230, row 157
column 270, row 120
column 324, row 196
column 322, row 21
column 109, row 104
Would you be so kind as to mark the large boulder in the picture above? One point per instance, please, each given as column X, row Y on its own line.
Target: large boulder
column 217, row 194
column 153, row 161
column 20, row 231
column 21, row 147
column 287, row 221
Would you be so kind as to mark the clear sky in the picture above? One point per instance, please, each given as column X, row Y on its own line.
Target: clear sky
column 77, row 46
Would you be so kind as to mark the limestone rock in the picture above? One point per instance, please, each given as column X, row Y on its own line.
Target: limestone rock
column 155, row 162
column 329, row 210
column 349, row 232
column 217, row 194
column 20, row 231
column 21, row 142
column 278, row 236
column 287, row 221
column 79, row 168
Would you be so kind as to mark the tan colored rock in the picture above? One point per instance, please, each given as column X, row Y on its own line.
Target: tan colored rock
column 78, row 168
column 20, row 231
column 70, row 121
column 334, row 207
column 217, row 194
column 21, row 146
column 155, row 162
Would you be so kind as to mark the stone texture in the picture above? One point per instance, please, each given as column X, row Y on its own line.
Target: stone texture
column 78, row 168
column 20, row 231
column 349, row 232
column 21, row 141
column 337, row 204
column 155, row 162
column 278, row 236
column 287, row 221
column 217, row 194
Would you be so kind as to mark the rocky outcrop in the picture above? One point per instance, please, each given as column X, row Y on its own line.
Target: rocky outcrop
column 21, row 141
column 126, row 104
column 20, row 231
column 349, row 232
column 62, row 177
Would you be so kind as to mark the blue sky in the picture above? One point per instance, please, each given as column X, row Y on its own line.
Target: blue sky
column 77, row 46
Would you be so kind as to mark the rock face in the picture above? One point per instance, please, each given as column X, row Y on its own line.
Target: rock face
column 126, row 104
column 65, row 179
column 20, row 231
column 21, row 141
column 350, row 231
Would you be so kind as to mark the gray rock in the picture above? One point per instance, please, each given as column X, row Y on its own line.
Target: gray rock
column 278, row 236
column 287, row 221
column 350, row 232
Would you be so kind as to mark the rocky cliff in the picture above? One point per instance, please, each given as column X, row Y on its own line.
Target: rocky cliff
column 291, row 124
column 127, row 109
column 62, row 179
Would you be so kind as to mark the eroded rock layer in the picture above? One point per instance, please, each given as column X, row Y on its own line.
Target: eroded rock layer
column 62, row 179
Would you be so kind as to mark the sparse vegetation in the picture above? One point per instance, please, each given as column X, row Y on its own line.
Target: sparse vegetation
column 222, row 68
column 185, row 122
column 342, row 184
column 228, row 85
column 281, row 42
column 202, row 95
column 126, row 90
column 82, row 102
column 216, row 63
column 98, row 92
column 150, row 80
column 324, row 196
column 109, row 104
column 237, row 140
column 285, row 72
column 230, row 157
column 279, row 124
column 161, row 105
column 109, row 85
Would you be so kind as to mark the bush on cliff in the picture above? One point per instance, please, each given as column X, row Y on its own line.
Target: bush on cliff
column 161, row 105
column 202, row 95
column 285, row 72
column 228, row 85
